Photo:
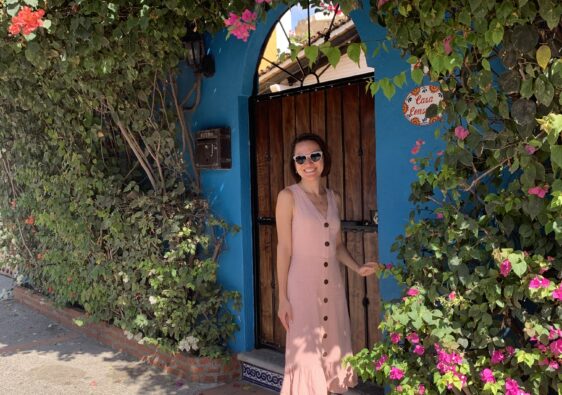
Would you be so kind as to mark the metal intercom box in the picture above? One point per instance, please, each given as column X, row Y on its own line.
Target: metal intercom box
column 213, row 149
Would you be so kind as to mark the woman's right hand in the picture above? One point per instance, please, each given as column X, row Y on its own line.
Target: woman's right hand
column 285, row 313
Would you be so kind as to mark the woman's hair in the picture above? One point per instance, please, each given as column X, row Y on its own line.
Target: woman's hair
column 323, row 147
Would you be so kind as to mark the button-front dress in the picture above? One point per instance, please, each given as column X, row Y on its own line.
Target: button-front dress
column 319, row 335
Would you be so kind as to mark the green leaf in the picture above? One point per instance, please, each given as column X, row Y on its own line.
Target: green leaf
column 417, row 75
column 556, row 155
column 387, row 88
column 543, row 56
column 354, row 52
column 311, row 53
column 544, row 91
column 333, row 55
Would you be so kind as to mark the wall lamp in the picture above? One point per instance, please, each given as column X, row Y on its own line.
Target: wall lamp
column 197, row 58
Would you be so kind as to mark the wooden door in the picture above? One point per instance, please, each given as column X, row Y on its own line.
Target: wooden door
column 344, row 117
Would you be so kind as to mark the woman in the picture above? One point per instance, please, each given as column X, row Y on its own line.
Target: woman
column 312, row 304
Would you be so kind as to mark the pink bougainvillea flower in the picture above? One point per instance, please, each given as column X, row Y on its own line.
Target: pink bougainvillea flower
column 413, row 338
column 412, row 161
column 421, row 389
column 556, row 347
column 505, row 268
column 550, row 258
column 264, row 1
column 538, row 191
column 395, row 337
column 554, row 333
column 452, row 296
column 388, row 266
column 413, row 292
column 439, row 215
column 461, row 132
column 497, row 357
column 530, row 149
column 420, row 142
column 440, row 153
column 396, row 374
column 510, row 351
column 447, row 45
column 512, row 388
column 380, row 3
column 539, row 282
column 415, row 149
column 487, row 376
column 249, row 16
column 232, row 19
column 26, row 21
column 557, row 293
column 419, row 349
column 415, row 168
column 379, row 364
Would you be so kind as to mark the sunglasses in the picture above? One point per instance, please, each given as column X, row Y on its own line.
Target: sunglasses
column 313, row 156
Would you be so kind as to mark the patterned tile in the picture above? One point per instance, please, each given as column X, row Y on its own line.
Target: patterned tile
column 262, row 377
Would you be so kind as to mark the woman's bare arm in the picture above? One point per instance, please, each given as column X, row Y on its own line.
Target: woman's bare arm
column 283, row 220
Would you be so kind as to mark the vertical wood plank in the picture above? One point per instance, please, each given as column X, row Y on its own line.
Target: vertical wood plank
column 318, row 117
column 354, row 210
column 302, row 113
column 288, row 116
column 277, row 183
column 263, row 163
column 370, row 240
column 334, row 140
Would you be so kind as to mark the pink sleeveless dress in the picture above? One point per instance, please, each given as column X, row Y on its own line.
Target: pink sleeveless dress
column 319, row 335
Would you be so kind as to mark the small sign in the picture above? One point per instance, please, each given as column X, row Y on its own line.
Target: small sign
column 417, row 102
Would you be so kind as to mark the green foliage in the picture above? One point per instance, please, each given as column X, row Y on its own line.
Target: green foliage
column 97, row 207
column 483, row 243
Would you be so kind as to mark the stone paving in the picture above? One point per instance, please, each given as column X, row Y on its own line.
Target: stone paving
column 39, row 356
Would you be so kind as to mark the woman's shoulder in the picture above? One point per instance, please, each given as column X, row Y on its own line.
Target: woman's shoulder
column 335, row 194
column 286, row 194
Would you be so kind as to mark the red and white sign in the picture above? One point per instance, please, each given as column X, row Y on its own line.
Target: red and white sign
column 417, row 102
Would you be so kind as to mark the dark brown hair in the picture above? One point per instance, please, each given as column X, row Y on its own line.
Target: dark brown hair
column 323, row 147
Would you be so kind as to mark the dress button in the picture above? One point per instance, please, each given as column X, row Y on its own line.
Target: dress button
column 325, row 264
column 325, row 318
column 325, row 336
column 326, row 224
column 324, row 354
column 326, row 281
column 325, row 300
column 327, row 244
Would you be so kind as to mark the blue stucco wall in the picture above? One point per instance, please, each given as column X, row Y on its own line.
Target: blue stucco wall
column 225, row 102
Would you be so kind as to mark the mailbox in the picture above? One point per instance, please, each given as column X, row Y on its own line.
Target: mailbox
column 212, row 149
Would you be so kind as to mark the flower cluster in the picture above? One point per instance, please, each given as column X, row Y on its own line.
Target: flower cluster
column 539, row 191
column 240, row 25
column 449, row 363
column 189, row 343
column 461, row 132
column 26, row 21
column 329, row 8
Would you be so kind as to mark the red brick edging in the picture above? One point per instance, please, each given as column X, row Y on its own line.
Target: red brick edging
column 202, row 370
column 6, row 271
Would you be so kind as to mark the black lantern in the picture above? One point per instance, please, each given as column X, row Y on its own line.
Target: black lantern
column 197, row 59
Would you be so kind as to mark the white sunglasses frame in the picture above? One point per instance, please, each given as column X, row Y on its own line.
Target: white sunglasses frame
column 308, row 157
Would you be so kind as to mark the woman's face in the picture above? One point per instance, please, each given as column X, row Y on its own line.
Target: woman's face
column 309, row 170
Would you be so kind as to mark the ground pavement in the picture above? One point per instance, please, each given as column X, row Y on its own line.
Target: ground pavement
column 40, row 357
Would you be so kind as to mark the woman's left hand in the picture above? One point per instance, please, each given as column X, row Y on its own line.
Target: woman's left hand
column 368, row 268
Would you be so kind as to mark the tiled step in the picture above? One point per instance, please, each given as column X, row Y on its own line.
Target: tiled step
column 264, row 367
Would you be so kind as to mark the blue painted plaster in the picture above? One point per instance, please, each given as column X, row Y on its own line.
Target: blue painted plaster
column 225, row 102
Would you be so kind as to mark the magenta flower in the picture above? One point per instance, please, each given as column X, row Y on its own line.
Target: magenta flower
column 512, row 388
column 396, row 374
column 264, row 1
column 556, row 347
column 415, row 149
column 447, row 47
column 421, row 389
column 419, row 349
column 388, row 266
column 510, row 351
column 413, row 338
column 232, row 19
column 249, row 16
column 557, row 293
column 439, row 215
column 505, row 268
column 440, row 152
column 497, row 357
column 539, row 282
column 487, row 376
column 381, row 361
column 461, row 133
column 415, row 168
column 530, row 149
column 413, row 292
column 538, row 191
column 395, row 337
column 420, row 142
column 452, row 296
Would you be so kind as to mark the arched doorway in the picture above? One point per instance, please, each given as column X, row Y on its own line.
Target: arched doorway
column 293, row 97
